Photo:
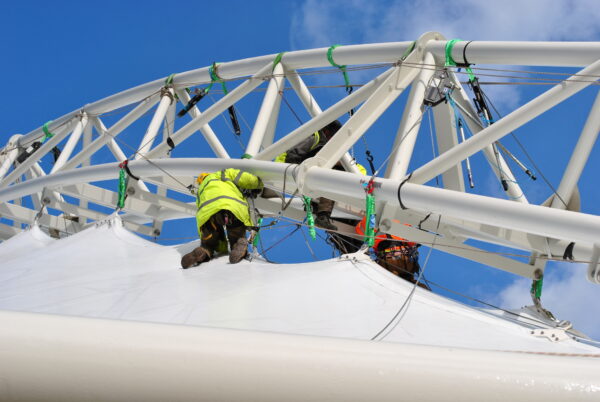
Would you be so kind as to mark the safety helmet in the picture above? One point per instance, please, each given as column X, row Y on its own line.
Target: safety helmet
column 201, row 178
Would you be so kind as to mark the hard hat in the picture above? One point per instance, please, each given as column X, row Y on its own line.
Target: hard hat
column 201, row 178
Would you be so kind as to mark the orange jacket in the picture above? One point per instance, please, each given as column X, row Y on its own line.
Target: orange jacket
column 360, row 229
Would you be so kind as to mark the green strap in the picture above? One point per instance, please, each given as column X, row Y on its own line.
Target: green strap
column 536, row 287
column 246, row 156
column 334, row 64
column 408, row 50
column 257, row 235
column 169, row 80
column 450, row 61
column 449, row 46
column 310, row 220
column 47, row 133
column 370, row 219
column 214, row 77
column 123, row 179
column 277, row 60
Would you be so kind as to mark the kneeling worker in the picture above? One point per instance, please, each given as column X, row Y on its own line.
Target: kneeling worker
column 397, row 255
column 221, row 206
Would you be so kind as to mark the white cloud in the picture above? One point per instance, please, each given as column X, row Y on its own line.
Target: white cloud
column 318, row 24
column 566, row 293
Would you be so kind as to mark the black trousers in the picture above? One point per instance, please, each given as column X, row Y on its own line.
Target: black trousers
column 213, row 232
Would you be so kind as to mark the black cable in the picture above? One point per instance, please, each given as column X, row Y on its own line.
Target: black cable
column 513, row 135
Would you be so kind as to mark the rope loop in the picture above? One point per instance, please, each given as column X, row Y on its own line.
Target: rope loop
column 342, row 68
column 214, row 77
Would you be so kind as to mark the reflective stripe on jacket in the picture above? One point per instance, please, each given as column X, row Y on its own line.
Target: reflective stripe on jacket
column 221, row 190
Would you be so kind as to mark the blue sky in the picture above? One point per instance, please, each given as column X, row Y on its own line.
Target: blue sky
column 58, row 56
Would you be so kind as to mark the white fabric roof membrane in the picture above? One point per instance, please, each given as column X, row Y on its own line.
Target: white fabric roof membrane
column 108, row 272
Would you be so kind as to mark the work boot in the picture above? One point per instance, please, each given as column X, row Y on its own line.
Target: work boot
column 323, row 221
column 238, row 251
column 195, row 257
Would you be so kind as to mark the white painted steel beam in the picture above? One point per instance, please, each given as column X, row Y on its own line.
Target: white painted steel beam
column 166, row 99
column 324, row 118
column 126, row 360
column 80, row 212
column 478, row 52
column 447, row 139
column 142, row 203
column 496, row 162
column 25, row 215
column 115, row 130
column 11, row 150
column 368, row 113
column 406, row 136
column 579, row 157
column 206, row 130
column 59, row 134
column 267, row 111
column 219, row 107
column 535, row 219
column 507, row 124
column 450, row 246
column 117, row 152
column 313, row 108
column 71, row 143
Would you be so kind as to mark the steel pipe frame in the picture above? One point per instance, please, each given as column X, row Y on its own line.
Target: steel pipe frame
column 268, row 110
column 324, row 118
column 313, row 108
column 579, row 157
column 535, row 219
column 408, row 130
column 71, row 143
column 504, row 126
column 209, row 114
column 514, row 191
column 206, row 130
column 349, row 189
column 109, row 359
column 270, row 172
column 573, row 54
column 59, row 134
column 369, row 112
column 116, row 150
column 105, row 136
column 163, row 106
column 12, row 150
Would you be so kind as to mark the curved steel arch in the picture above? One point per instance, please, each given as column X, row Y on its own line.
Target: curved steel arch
column 418, row 72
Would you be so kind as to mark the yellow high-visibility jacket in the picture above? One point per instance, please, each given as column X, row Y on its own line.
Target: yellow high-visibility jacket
column 221, row 190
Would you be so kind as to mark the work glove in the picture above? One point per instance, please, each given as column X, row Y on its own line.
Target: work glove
column 251, row 193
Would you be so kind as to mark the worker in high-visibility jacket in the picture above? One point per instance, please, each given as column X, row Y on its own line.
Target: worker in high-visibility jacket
column 222, row 207
column 307, row 149
column 397, row 255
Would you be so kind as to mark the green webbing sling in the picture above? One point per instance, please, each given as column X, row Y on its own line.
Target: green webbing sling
column 450, row 61
column 310, row 220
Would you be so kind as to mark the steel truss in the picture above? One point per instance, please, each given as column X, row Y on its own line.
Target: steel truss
column 401, row 195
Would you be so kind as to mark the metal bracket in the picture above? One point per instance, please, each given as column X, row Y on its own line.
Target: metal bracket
column 436, row 94
column 360, row 255
column 553, row 335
